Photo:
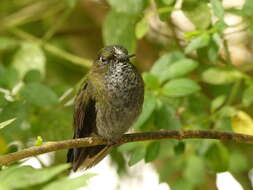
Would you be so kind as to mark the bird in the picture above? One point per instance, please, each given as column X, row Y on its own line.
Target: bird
column 107, row 104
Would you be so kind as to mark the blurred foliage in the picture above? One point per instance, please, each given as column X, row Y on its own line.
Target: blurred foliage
column 191, row 83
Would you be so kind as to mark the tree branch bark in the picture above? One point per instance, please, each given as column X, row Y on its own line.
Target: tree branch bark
column 93, row 141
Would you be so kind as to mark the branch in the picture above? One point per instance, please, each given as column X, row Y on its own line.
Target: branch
column 93, row 141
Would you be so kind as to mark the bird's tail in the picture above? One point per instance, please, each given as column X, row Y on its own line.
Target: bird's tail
column 84, row 158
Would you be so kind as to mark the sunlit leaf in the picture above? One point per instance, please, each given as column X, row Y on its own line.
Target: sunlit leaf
column 29, row 56
column 198, row 42
column 25, row 176
column 161, row 66
column 69, row 183
column 217, row 8
column 180, row 87
column 217, row 102
column 219, row 76
column 242, row 123
column 141, row 28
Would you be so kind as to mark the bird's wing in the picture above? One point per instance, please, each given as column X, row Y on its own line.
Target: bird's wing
column 84, row 126
column 84, row 120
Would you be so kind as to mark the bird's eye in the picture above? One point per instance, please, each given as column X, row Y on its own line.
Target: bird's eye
column 103, row 59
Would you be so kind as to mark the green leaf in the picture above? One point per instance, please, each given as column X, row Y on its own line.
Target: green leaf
column 238, row 162
column 180, row 87
column 198, row 12
column 69, row 183
column 137, row 155
column 7, row 43
column 38, row 94
column 5, row 123
column 22, row 177
column 9, row 77
column 218, row 76
column 119, row 28
column 218, row 8
column 217, row 102
column 165, row 117
column 131, row 7
column 161, row 66
column 168, row 2
column 141, row 28
column 180, row 68
column 198, row 42
column 150, row 80
column 181, row 184
column 148, row 108
column 39, row 141
column 29, row 56
column 195, row 170
column 13, row 110
column 248, row 8
column 247, row 97
column 152, row 151
column 32, row 76
column 217, row 157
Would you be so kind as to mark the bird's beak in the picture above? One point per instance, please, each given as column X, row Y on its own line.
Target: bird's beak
column 132, row 55
column 125, row 57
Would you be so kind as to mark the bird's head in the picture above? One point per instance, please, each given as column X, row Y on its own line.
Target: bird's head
column 112, row 53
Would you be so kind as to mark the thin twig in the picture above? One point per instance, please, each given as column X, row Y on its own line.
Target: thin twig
column 93, row 141
column 52, row 49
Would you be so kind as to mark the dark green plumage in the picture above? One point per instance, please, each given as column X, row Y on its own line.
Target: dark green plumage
column 108, row 103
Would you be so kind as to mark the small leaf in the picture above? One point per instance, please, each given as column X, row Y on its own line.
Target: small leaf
column 150, row 80
column 152, row 151
column 179, row 148
column 217, row 76
column 180, row 68
column 5, row 123
column 25, row 176
column 242, row 123
column 68, row 183
column 32, row 76
column 119, row 28
column 148, row 108
column 217, row 157
column 132, row 7
column 29, row 56
column 165, row 117
column 247, row 97
column 248, row 8
column 141, row 28
column 7, row 43
column 198, row 12
column 218, row 8
column 161, row 66
column 198, row 42
column 38, row 94
column 137, row 155
column 194, row 171
column 39, row 141
column 217, row 102
column 238, row 162
column 180, row 87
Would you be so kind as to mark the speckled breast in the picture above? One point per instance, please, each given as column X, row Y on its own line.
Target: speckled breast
column 124, row 99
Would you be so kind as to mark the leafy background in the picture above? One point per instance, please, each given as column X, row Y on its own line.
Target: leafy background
column 197, row 73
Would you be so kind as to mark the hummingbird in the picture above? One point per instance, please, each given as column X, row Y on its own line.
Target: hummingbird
column 109, row 101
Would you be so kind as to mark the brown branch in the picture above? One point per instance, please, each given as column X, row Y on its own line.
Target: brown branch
column 93, row 141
